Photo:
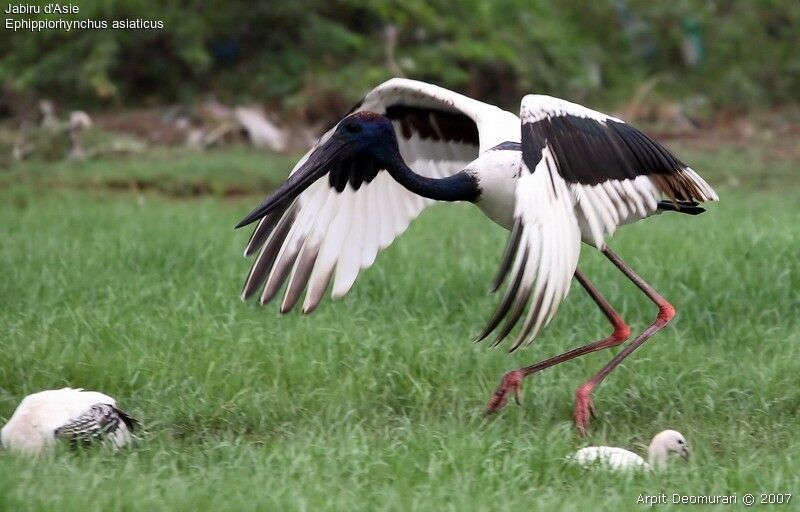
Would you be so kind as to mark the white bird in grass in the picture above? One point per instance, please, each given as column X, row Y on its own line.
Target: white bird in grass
column 664, row 443
column 74, row 415
column 555, row 176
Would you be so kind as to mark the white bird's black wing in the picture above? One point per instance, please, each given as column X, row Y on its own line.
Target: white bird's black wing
column 583, row 174
column 99, row 422
column 337, row 226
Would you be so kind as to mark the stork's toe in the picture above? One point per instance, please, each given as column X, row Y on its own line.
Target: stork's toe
column 584, row 408
column 511, row 384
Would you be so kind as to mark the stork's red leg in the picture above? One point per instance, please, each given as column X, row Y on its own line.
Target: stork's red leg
column 583, row 396
column 512, row 381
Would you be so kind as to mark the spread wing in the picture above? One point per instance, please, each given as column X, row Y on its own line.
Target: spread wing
column 618, row 173
column 583, row 174
column 338, row 225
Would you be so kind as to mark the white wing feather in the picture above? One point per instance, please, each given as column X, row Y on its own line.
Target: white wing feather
column 551, row 235
column 345, row 231
column 545, row 252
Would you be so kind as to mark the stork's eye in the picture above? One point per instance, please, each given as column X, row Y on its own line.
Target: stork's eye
column 352, row 127
column 680, row 441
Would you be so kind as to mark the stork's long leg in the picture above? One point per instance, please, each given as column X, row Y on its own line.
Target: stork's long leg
column 512, row 381
column 583, row 400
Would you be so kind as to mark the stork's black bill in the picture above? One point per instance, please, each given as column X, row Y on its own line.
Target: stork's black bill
column 318, row 163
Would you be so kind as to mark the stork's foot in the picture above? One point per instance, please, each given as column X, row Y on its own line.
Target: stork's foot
column 511, row 384
column 584, row 407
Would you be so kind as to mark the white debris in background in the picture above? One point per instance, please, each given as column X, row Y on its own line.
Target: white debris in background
column 260, row 130
column 48, row 113
column 194, row 138
column 78, row 122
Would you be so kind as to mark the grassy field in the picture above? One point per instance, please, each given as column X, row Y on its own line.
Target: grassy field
column 375, row 402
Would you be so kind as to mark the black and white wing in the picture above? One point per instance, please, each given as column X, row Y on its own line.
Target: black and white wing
column 100, row 422
column 618, row 173
column 542, row 251
column 583, row 174
column 337, row 226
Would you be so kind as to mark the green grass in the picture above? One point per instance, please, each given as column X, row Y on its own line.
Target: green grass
column 173, row 172
column 375, row 402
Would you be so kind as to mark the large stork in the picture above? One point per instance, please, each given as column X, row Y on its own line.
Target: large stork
column 558, row 175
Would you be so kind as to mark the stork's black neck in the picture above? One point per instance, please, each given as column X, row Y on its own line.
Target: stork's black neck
column 461, row 186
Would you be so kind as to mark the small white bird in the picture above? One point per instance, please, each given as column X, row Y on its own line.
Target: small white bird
column 75, row 415
column 620, row 459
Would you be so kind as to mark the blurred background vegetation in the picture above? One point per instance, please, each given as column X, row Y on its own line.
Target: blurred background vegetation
column 312, row 58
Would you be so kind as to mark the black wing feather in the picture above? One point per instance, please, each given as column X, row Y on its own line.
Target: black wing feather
column 95, row 424
column 431, row 123
column 589, row 152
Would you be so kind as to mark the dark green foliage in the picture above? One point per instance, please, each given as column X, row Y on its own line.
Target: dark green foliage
column 314, row 58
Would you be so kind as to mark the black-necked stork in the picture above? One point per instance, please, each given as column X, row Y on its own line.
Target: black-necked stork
column 561, row 175
column 74, row 415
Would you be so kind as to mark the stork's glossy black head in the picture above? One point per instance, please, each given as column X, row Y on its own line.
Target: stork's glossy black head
column 366, row 131
column 357, row 134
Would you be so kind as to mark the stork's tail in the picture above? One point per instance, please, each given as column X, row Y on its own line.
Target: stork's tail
column 684, row 187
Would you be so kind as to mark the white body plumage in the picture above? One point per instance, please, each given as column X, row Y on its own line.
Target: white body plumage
column 620, row 459
column 73, row 414
column 611, row 457
column 497, row 173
